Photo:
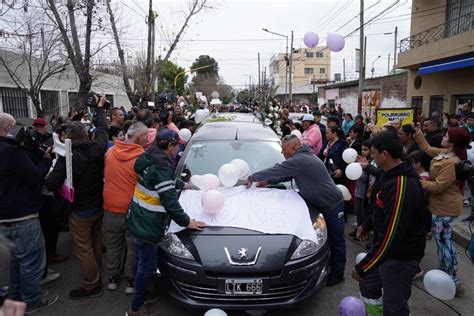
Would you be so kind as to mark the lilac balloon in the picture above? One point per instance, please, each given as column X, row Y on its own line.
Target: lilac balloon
column 335, row 42
column 311, row 39
column 351, row 306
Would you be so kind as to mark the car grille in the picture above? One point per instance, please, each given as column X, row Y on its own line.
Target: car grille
column 273, row 294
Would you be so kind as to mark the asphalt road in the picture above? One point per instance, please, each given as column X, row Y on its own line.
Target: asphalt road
column 325, row 303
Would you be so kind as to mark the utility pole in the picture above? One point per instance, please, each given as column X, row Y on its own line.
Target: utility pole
column 290, row 72
column 344, row 70
column 314, row 84
column 150, row 56
column 395, row 48
column 361, row 58
column 259, row 72
column 388, row 69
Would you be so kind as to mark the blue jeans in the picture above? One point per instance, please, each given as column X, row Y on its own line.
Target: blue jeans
column 335, row 225
column 146, row 255
column 27, row 261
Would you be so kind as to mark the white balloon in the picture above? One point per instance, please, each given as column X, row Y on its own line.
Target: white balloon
column 353, row 171
column 196, row 180
column 244, row 169
column 200, row 115
column 360, row 256
column 185, row 134
column 345, row 192
column 215, row 312
column 228, row 174
column 212, row 201
column 349, row 155
column 210, row 182
column 439, row 284
column 297, row 133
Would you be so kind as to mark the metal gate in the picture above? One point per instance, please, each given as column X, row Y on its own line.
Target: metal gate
column 14, row 102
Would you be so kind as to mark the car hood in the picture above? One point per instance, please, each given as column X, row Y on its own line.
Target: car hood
column 236, row 250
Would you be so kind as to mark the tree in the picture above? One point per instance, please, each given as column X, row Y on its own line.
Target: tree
column 201, row 62
column 36, row 54
column 78, row 45
column 152, row 73
column 244, row 96
column 168, row 75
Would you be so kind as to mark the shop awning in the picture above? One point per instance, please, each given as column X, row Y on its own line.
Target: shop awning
column 457, row 62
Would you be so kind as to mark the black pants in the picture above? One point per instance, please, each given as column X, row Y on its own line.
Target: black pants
column 395, row 278
column 48, row 216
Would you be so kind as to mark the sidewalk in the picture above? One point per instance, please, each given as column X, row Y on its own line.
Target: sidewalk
column 461, row 232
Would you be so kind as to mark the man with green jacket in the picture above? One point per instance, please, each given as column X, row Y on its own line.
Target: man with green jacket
column 155, row 200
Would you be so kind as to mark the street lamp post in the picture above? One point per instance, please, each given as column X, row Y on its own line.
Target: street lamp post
column 373, row 63
column 286, row 60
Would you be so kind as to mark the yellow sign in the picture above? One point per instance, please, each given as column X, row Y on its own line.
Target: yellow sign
column 389, row 115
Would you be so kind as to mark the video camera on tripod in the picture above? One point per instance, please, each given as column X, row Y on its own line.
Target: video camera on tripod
column 164, row 106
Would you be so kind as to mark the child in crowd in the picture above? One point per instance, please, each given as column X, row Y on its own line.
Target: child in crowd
column 115, row 133
column 421, row 162
column 361, row 202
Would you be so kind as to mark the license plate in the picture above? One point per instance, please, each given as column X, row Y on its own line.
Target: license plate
column 243, row 287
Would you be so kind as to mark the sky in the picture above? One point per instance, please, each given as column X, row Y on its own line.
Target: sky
column 231, row 32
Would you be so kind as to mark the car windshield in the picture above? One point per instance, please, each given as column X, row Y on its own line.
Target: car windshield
column 207, row 157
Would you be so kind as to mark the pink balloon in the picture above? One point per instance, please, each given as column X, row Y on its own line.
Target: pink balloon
column 311, row 39
column 210, row 182
column 212, row 201
column 335, row 42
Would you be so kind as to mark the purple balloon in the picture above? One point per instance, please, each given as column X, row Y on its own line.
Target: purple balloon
column 351, row 306
column 335, row 42
column 311, row 39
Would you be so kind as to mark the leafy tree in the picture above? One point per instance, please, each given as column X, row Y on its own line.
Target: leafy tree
column 168, row 75
column 226, row 99
column 244, row 96
column 206, row 60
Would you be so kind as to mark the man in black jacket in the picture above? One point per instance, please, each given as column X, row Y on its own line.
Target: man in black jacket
column 432, row 130
column 20, row 201
column 400, row 240
column 85, row 220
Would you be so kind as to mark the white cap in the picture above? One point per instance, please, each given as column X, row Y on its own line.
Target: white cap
column 308, row 117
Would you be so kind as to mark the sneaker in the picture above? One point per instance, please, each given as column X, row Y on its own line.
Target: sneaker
column 141, row 312
column 42, row 305
column 460, row 291
column 466, row 203
column 50, row 277
column 114, row 281
column 418, row 274
column 81, row 293
column 333, row 280
column 129, row 287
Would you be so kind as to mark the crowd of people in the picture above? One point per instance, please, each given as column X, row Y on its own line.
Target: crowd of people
column 125, row 190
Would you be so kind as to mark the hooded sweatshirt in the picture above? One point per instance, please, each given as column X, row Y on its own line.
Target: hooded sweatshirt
column 399, row 218
column 311, row 177
column 120, row 176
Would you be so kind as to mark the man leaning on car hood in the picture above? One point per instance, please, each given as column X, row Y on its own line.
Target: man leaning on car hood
column 318, row 190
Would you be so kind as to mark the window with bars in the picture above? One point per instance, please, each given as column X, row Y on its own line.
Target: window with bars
column 308, row 71
column 417, row 102
column 73, row 100
column 14, row 102
column 436, row 105
column 459, row 16
column 49, row 101
column 322, row 70
column 319, row 54
column 309, row 54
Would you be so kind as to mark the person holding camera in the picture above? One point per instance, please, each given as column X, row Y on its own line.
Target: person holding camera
column 445, row 194
column 85, row 219
column 20, row 202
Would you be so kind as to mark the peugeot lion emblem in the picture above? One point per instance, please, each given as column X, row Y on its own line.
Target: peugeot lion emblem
column 243, row 253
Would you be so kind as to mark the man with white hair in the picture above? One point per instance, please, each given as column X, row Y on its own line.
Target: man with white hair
column 20, row 202
column 119, row 184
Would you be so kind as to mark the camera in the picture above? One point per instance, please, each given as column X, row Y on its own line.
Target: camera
column 164, row 107
column 93, row 98
column 464, row 170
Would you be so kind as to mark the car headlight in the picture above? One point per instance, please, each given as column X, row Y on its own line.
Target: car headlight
column 309, row 247
column 173, row 245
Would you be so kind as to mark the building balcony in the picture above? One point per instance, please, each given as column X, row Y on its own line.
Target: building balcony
column 449, row 39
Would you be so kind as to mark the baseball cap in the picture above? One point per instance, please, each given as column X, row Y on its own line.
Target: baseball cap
column 167, row 136
column 308, row 117
column 40, row 121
